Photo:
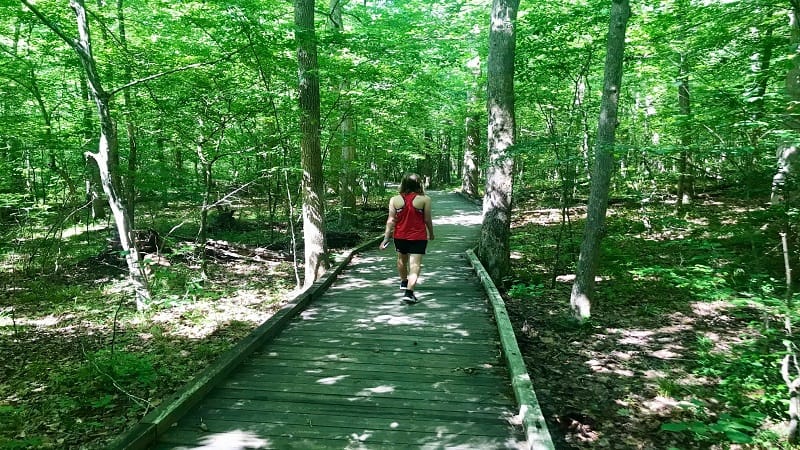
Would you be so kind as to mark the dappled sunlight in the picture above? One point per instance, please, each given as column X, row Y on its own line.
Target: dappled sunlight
column 710, row 309
column 332, row 380
column 231, row 440
column 390, row 319
column 309, row 313
column 570, row 278
column 466, row 218
column 46, row 321
column 377, row 390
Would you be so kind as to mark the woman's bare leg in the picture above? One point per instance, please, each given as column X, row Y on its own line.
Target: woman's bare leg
column 402, row 265
column 414, row 267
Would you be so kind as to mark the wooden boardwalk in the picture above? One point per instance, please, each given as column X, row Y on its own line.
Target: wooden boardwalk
column 360, row 369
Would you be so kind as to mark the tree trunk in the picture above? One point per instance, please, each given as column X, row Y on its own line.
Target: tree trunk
column 470, row 174
column 347, row 176
column 106, row 157
column 493, row 248
column 316, row 262
column 130, row 126
column 685, row 180
column 788, row 152
column 583, row 287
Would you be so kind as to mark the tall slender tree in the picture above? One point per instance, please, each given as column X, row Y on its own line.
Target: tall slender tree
column 684, row 106
column 583, row 287
column 347, row 179
column 789, row 150
column 107, row 155
column 493, row 248
column 130, row 124
column 316, row 262
column 470, row 166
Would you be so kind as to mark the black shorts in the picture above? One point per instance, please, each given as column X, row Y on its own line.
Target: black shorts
column 405, row 246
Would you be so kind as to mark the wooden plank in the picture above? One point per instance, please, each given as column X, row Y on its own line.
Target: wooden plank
column 276, row 424
column 355, row 355
column 265, row 435
column 430, row 305
column 338, row 406
column 466, row 350
column 400, row 325
column 408, row 388
column 242, row 440
column 430, row 301
column 281, row 421
column 407, row 382
column 464, row 404
column 490, row 339
column 467, row 370
column 476, row 379
column 266, row 390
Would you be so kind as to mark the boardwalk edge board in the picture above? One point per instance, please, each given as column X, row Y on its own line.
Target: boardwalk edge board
column 529, row 411
column 156, row 422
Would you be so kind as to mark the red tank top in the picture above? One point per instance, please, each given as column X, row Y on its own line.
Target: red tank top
column 410, row 221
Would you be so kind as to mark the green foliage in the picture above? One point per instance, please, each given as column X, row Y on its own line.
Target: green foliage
column 105, row 370
column 526, row 290
column 726, row 428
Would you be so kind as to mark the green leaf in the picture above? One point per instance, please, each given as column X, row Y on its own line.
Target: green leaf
column 738, row 437
column 674, row 426
column 103, row 401
column 624, row 412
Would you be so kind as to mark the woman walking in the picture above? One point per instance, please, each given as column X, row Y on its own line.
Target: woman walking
column 411, row 226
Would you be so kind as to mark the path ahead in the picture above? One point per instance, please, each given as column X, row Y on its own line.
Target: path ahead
column 359, row 369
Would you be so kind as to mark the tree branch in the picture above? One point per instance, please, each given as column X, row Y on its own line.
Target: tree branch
column 50, row 24
column 170, row 72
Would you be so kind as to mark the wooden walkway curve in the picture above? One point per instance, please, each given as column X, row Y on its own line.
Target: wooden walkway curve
column 359, row 369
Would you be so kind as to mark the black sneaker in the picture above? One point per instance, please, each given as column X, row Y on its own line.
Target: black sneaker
column 404, row 284
column 409, row 297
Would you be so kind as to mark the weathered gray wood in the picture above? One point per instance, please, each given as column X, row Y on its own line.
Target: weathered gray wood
column 340, row 406
column 298, row 366
column 387, row 373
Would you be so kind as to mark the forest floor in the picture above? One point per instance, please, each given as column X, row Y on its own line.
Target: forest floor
column 683, row 347
column 685, row 331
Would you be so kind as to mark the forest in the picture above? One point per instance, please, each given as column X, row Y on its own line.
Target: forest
column 171, row 172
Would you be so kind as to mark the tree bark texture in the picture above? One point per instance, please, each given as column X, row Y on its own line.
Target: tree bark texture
column 685, row 179
column 347, row 176
column 130, row 125
column 787, row 151
column 583, row 287
column 107, row 156
column 316, row 262
column 470, row 172
column 493, row 248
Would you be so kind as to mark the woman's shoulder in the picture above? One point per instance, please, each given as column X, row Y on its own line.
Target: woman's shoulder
column 421, row 200
column 397, row 201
